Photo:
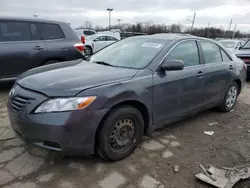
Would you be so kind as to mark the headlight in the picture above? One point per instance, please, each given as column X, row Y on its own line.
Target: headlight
column 65, row 104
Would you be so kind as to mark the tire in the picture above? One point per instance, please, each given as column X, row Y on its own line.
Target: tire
column 224, row 107
column 109, row 138
column 51, row 62
column 88, row 51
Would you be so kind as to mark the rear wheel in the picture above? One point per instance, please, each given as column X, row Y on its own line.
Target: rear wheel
column 88, row 51
column 230, row 98
column 120, row 133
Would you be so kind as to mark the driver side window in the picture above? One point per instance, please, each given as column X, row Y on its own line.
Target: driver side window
column 187, row 52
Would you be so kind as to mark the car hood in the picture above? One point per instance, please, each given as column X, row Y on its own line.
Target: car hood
column 243, row 52
column 68, row 79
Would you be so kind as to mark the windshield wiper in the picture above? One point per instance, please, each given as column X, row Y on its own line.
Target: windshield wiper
column 104, row 63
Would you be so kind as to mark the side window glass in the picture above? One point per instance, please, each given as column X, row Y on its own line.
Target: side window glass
column 225, row 56
column 14, row 31
column 187, row 52
column 101, row 38
column 51, row 31
column 211, row 52
column 109, row 38
column 35, row 35
column 238, row 45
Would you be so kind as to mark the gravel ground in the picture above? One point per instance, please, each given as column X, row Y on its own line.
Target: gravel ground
column 150, row 166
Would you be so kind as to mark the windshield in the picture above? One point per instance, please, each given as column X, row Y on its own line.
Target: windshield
column 133, row 53
column 228, row 44
column 247, row 45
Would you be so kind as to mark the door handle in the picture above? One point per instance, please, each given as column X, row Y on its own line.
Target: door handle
column 200, row 74
column 231, row 67
column 38, row 48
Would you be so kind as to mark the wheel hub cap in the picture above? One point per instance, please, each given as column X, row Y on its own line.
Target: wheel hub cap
column 231, row 97
column 122, row 134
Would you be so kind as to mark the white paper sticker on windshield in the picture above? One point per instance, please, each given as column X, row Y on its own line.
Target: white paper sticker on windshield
column 151, row 45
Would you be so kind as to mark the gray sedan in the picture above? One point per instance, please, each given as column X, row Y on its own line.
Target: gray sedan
column 105, row 104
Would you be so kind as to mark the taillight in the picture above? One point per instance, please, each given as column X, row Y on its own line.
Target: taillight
column 79, row 47
column 245, row 67
column 83, row 39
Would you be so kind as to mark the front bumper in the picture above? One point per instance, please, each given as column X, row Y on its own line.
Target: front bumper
column 72, row 133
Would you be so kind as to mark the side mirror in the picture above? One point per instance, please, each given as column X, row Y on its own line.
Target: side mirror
column 171, row 65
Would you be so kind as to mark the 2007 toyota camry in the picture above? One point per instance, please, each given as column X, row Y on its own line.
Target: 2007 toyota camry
column 105, row 104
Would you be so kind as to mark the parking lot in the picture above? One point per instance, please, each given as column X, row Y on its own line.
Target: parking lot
column 150, row 166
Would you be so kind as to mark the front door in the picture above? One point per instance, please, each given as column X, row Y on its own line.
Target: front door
column 99, row 43
column 218, row 72
column 179, row 93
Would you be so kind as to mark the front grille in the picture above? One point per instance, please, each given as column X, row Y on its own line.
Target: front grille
column 19, row 102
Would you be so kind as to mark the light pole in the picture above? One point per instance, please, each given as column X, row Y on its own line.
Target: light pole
column 234, row 31
column 119, row 22
column 192, row 21
column 109, row 10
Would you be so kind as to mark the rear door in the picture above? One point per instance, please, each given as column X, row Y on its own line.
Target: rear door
column 219, row 70
column 17, row 49
column 58, row 48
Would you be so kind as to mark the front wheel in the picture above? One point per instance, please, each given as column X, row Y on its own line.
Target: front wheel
column 120, row 133
column 230, row 98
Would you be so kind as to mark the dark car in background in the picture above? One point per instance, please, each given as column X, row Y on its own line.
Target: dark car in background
column 30, row 43
column 244, row 54
column 105, row 104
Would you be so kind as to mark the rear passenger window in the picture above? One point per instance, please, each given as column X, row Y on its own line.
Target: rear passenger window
column 211, row 52
column 51, row 31
column 14, row 31
column 225, row 57
column 187, row 52
column 109, row 38
column 35, row 34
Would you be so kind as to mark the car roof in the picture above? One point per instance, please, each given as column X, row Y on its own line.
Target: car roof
column 232, row 40
column 104, row 34
column 170, row 36
column 30, row 19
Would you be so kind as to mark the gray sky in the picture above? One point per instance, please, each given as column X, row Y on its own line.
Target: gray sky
column 217, row 12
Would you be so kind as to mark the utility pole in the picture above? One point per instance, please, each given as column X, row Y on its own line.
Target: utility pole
column 231, row 21
column 192, row 27
column 208, row 26
column 109, row 10
column 119, row 21
column 234, row 31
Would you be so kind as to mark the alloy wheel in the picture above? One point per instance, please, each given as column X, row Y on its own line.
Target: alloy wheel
column 231, row 97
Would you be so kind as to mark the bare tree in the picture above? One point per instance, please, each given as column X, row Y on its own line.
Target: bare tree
column 87, row 25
